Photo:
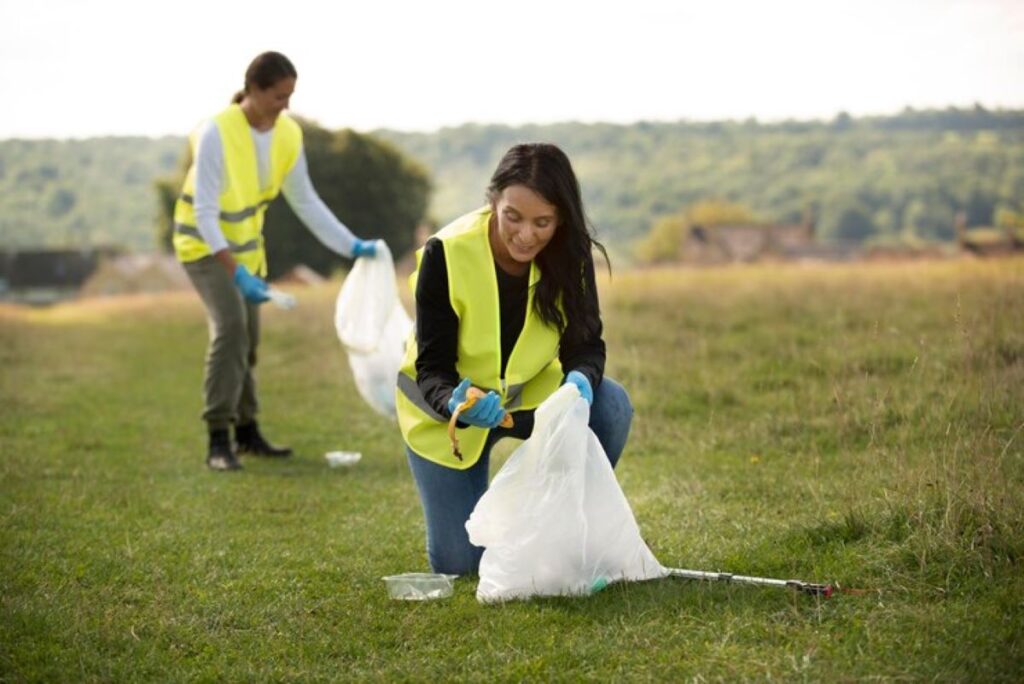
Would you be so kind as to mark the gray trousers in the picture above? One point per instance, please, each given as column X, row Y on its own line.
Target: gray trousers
column 234, row 322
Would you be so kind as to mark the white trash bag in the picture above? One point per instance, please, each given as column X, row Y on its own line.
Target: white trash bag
column 555, row 521
column 373, row 326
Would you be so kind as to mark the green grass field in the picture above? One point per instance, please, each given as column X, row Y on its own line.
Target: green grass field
column 853, row 424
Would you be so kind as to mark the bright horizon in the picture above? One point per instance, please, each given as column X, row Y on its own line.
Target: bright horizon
column 74, row 69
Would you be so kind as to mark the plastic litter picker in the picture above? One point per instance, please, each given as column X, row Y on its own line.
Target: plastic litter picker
column 823, row 590
column 555, row 522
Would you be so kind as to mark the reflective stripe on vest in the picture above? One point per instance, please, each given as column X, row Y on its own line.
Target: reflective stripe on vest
column 531, row 375
column 192, row 231
column 242, row 202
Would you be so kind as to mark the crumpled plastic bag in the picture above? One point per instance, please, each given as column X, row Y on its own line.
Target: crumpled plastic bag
column 555, row 521
column 373, row 326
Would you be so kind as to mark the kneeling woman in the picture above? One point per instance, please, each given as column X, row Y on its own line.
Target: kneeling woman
column 505, row 302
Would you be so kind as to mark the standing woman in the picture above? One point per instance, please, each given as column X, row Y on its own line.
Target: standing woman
column 505, row 301
column 242, row 158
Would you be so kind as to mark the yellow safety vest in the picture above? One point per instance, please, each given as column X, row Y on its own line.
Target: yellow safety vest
column 242, row 201
column 533, row 371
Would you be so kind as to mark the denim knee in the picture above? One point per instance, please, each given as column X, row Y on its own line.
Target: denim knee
column 611, row 417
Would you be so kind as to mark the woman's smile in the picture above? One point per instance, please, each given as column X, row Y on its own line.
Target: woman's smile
column 524, row 224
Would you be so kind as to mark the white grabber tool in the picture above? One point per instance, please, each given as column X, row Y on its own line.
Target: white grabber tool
column 823, row 590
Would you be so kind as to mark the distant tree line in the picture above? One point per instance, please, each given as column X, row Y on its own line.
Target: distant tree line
column 875, row 179
column 864, row 179
column 82, row 193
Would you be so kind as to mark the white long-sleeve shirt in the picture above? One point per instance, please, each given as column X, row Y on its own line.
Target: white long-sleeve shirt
column 297, row 189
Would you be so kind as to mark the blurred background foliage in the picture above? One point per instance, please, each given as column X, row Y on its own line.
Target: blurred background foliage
column 870, row 180
column 875, row 179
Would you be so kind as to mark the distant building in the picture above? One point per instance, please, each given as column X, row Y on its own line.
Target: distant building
column 901, row 252
column 45, row 276
column 135, row 274
column 987, row 241
column 750, row 242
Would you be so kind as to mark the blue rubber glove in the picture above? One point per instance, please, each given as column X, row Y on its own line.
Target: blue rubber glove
column 253, row 287
column 363, row 248
column 485, row 413
column 581, row 382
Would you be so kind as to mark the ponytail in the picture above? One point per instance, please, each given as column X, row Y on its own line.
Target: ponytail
column 264, row 71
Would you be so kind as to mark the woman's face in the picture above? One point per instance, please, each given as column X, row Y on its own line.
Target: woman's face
column 526, row 222
column 270, row 102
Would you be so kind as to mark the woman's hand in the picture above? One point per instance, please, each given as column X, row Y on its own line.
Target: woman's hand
column 582, row 384
column 486, row 412
column 253, row 287
column 476, row 408
column 363, row 248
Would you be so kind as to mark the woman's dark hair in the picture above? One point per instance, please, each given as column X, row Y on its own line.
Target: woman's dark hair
column 267, row 69
column 566, row 263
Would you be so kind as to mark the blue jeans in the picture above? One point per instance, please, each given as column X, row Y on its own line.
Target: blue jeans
column 449, row 495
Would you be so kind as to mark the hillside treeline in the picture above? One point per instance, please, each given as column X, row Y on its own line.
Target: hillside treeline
column 83, row 193
column 868, row 179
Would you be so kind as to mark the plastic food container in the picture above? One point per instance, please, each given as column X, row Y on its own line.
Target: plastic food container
column 340, row 459
column 419, row 586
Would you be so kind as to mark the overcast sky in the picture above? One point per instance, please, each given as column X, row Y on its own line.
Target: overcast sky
column 78, row 68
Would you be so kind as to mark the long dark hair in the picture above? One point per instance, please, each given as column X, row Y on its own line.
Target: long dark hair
column 264, row 71
column 566, row 263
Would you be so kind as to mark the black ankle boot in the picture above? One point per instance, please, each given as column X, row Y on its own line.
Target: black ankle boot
column 251, row 441
column 220, row 456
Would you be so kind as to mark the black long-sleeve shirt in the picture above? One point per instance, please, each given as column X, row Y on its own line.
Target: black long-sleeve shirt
column 437, row 329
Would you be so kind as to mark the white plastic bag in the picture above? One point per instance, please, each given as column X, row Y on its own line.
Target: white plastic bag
column 555, row 521
column 373, row 326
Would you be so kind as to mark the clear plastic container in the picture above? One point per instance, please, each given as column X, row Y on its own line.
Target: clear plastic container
column 342, row 459
column 419, row 586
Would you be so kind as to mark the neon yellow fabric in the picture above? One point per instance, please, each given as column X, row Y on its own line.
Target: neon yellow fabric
column 532, row 373
column 243, row 202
